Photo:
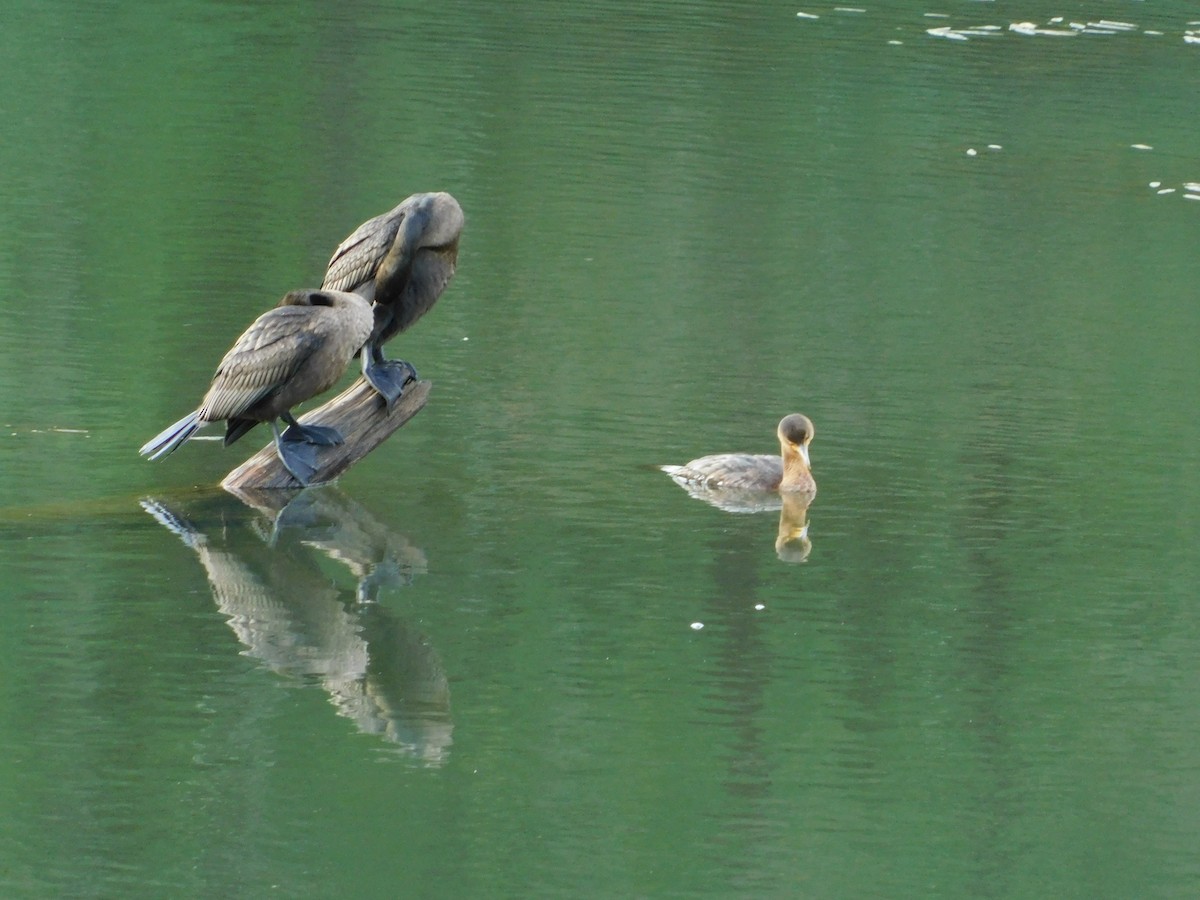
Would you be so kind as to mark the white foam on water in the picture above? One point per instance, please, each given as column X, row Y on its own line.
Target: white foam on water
column 1030, row 28
column 948, row 33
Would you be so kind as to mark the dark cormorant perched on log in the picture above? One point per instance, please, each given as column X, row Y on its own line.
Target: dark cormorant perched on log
column 401, row 261
column 291, row 353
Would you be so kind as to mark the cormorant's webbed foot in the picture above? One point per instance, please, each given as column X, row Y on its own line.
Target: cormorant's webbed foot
column 297, row 446
column 388, row 376
column 298, row 457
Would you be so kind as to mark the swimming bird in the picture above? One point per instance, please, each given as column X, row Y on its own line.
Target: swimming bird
column 790, row 471
column 401, row 261
column 291, row 353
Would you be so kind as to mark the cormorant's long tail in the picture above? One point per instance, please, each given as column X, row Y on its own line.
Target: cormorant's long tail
column 174, row 435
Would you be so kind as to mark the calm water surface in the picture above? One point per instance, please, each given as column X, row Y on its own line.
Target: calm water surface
column 505, row 656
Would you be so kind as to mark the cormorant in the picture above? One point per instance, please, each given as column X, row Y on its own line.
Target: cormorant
column 401, row 261
column 291, row 353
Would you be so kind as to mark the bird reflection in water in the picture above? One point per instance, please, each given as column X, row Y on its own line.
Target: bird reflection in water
column 379, row 671
column 792, row 544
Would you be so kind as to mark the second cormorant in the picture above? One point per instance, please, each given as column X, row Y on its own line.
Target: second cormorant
column 401, row 261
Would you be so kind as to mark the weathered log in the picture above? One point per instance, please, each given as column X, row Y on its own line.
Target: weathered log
column 365, row 422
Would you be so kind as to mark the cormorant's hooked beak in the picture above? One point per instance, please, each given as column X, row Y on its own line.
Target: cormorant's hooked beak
column 803, row 449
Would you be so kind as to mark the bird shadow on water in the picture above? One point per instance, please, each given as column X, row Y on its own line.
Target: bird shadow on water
column 262, row 554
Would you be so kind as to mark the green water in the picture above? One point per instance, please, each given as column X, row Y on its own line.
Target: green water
column 474, row 668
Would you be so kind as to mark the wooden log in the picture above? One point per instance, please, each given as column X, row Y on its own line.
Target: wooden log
column 362, row 417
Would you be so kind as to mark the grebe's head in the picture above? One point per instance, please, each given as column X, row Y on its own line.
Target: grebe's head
column 795, row 433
